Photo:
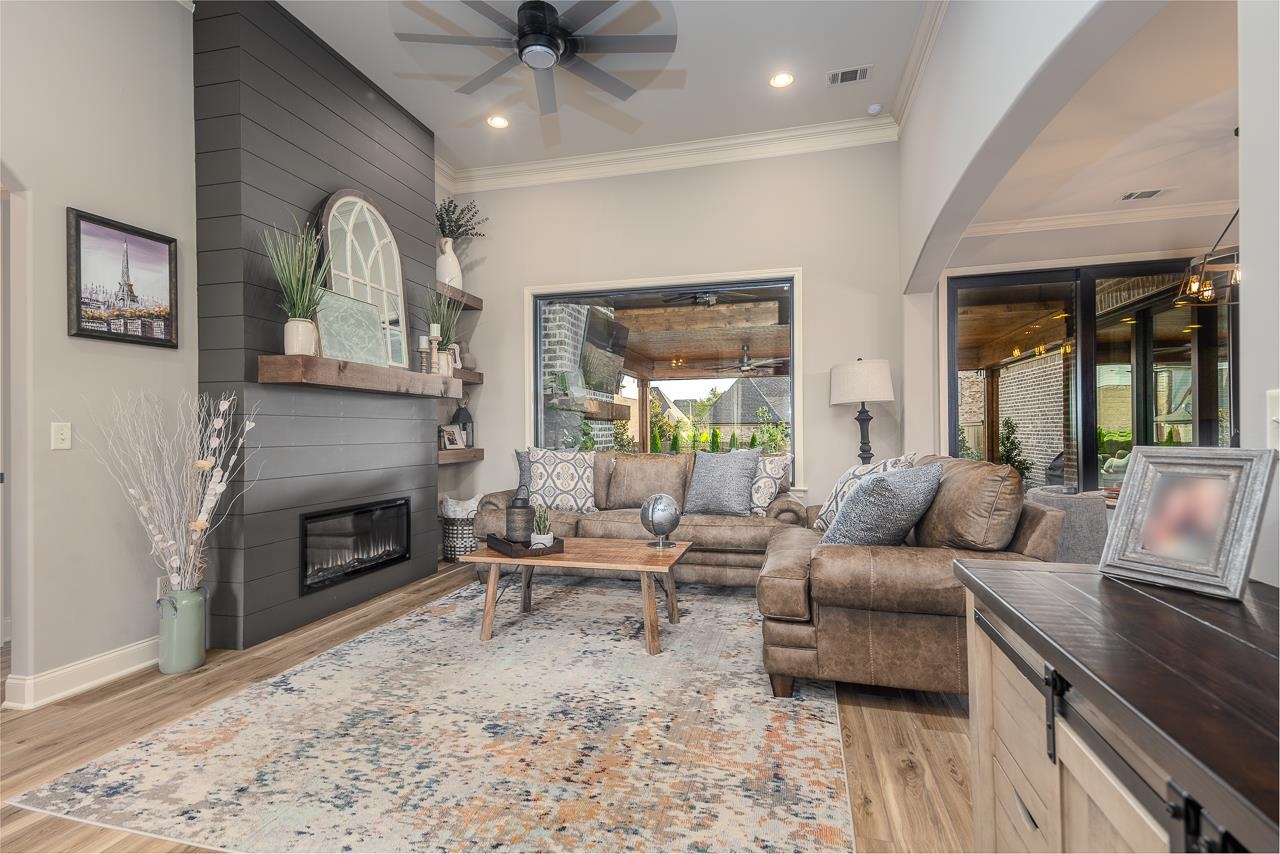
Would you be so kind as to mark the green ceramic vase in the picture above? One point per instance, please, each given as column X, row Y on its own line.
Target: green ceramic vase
column 181, row 631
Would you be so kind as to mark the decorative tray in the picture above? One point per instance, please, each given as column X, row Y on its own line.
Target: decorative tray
column 510, row 549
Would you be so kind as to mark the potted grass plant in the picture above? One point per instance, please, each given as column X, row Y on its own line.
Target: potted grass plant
column 443, row 316
column 300, row 267
column 542, row 537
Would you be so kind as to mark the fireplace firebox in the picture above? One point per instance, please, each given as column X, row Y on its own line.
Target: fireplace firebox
column 337, row 545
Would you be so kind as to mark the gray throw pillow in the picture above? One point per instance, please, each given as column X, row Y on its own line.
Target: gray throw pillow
column 522, row 463
column 721, row 483
column 883, row 508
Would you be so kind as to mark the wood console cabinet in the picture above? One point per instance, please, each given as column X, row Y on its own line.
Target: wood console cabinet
column 1110, row 716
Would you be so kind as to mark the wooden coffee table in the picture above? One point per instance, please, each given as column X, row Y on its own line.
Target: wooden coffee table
column 619, row 555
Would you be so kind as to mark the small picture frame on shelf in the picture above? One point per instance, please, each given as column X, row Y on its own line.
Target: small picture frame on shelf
column 1189, row 518
column 451, row 437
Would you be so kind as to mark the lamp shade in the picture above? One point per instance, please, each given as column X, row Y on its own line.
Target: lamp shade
column 866, row 380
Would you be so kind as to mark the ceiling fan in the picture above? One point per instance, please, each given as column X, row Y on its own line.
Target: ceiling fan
column 543, row 39
column 748, row 365
column 703, row 298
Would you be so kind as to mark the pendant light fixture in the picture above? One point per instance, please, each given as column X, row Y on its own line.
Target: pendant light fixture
column 1214, row 276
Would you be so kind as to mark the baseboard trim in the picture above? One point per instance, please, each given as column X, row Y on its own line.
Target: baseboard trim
column 30, row 692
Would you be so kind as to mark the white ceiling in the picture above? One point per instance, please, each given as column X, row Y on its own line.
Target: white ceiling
column 1160, row 114
column 714, row 85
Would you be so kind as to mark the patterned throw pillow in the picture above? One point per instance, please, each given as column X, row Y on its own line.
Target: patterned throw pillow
column 847, row 481
column 883, row 508
column 721, row 483
column 773, row 475
column 562, row 480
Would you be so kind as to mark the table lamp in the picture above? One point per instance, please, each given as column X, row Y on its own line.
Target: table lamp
column 862, row 382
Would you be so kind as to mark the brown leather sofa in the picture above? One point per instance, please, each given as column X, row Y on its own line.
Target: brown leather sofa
column 894, row 615
column 727, row 551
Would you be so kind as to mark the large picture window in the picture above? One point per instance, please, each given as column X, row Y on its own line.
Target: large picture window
column 662, row 370
column 1063, row 372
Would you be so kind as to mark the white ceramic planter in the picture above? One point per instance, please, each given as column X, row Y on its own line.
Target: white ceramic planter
column 541, row 541
column 299, row 337
column 448, row 270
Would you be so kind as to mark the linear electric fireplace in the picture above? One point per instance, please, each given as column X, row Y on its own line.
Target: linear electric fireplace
column 340, row 544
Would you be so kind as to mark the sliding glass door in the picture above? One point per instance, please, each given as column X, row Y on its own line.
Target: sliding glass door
column 1063, row 372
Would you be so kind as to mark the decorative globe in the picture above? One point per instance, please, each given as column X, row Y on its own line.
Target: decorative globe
column 660, row 515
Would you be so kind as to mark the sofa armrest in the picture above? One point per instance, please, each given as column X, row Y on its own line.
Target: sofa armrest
column 1039, row 531
column 782, row 589
column 787, row 509
column 497, row 500
column 811, row 514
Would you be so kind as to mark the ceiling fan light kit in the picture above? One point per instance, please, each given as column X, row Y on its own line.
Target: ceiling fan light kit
column 542, row 39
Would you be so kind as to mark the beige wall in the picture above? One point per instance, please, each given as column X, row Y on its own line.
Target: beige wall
column 833, row 214
column 1259, row 27
column 96, row 114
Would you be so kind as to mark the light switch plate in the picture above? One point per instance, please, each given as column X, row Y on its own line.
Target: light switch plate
column 60, row 436
column 1273, row 418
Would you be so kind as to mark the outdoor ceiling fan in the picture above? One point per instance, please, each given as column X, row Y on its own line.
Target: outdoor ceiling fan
column 747, row 365
column 544, row 39
column 703, row 298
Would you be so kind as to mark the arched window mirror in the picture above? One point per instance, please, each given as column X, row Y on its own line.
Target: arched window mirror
column 364, row 262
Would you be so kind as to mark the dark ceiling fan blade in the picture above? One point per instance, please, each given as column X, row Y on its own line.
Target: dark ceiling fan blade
column 626, row 44
column 479, row 41
column 545, row 80
column 492, row 14
column 584, row 12
column 489, row 76
column 597, row 76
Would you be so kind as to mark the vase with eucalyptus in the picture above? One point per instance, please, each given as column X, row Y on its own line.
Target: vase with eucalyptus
column 300, row 266
column 457, row 223
column 175, row 470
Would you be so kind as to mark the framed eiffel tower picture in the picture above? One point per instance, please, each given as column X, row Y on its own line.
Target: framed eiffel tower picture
column 122, row 282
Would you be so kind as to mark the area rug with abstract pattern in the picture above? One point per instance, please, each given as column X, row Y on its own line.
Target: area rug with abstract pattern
column 561, row 733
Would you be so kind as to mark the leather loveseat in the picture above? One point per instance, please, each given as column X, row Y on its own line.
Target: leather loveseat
column 727, row 551
column 894, row 615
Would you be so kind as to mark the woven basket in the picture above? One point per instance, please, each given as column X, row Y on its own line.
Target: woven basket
column 459, row 537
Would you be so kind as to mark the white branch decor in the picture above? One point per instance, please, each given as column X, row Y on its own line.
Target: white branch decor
column 175, row 478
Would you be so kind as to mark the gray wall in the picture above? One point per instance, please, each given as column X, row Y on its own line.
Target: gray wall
column 281, row 123
column 95, row 113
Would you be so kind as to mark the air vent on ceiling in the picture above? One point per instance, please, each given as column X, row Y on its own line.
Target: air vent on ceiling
column 849, row 75
column 1140, row 195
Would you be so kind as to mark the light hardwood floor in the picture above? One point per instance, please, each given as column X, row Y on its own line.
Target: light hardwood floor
column 906, row 752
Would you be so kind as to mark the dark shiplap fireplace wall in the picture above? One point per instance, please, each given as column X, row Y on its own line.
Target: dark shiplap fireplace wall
column 281, row 122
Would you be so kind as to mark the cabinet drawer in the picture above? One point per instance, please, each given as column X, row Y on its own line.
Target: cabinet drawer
column 1017, row 718
column 1028, row 818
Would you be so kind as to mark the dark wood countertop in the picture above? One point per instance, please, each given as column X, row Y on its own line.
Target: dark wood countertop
column 1192, row 680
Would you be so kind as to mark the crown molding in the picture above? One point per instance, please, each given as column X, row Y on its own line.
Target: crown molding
column 446, row 179
column 921, row 49
column 806, row 139
column 1102, row 218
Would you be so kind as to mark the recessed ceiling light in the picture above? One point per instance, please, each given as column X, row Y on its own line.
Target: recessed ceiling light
column 498, row 122
column 782, row 80
column 874, row 110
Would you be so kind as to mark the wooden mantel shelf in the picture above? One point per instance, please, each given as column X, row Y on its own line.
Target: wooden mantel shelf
column 335, row 373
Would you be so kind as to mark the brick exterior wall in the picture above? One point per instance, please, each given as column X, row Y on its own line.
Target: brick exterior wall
column 1031, row 393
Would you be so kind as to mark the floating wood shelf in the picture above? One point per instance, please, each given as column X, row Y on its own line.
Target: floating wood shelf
column 461, row 455
column 470, row 302
column 469, row 377
column 335, row 373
